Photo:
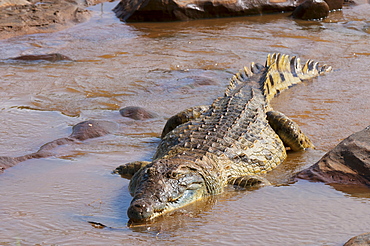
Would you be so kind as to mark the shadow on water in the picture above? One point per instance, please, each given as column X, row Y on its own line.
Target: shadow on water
column 353, row 190
column 312, row 26
column 295, row 162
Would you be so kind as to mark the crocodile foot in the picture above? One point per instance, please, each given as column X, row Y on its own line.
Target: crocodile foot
column 249, row 181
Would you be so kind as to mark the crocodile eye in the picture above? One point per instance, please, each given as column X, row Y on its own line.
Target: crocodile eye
column 175, row 175
column 149, row 172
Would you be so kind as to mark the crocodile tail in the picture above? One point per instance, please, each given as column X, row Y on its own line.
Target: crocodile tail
column 279, row 73
column 282, row 71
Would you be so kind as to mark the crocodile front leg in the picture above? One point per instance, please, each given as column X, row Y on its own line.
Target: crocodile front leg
column 288, row 131
column 129, row 169
column 183, row 117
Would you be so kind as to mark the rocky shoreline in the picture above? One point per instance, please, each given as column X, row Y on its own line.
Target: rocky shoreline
column 21, row 17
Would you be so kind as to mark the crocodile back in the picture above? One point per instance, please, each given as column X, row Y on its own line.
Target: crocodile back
column 234, row 132
column 233, row 137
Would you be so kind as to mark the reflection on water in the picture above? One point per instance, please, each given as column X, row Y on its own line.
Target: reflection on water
column 165, row 68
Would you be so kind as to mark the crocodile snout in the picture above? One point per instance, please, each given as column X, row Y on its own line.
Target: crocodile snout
column 140, row 210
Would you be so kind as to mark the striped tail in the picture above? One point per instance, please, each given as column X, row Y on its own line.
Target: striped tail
column 283, row 72
column 279, row 73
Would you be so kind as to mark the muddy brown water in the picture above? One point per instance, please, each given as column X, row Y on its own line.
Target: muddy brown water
column 168, row 67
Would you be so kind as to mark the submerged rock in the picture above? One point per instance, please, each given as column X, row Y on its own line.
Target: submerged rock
column 80, row 132
column 6, row 162
column 170, row 10
column 347, row 163
column 47, row 57
column 93, row 129
column 136, row 113
column 360, row 240
column 311, row 10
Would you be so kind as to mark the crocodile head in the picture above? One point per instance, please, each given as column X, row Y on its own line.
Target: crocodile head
column 162, row 186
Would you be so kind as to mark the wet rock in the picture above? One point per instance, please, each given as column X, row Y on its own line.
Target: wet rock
column 170, row 10
column 200, row 80
column 48, row 57
column 46, row 149
column 80, row 132
column 19, row 17
column 347, row 163
column 335, row 4
column 6, row 3
column 360, row 240
column 136, row 113
column 93, row 129
column 311, row 10
column 6, row 162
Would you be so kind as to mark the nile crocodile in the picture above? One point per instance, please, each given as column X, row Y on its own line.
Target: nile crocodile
column 233, row 141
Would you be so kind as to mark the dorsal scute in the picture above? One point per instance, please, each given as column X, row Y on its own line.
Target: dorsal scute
column 243, row 76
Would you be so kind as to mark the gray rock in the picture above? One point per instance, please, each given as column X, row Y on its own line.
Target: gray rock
column 136, row 113
column 80, row 132
column 54, row 57
column 93, row 129
column 347, row 163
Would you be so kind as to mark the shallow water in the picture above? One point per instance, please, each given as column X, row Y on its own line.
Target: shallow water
column 153, row 65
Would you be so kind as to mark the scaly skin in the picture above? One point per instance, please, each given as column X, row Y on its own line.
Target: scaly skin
column 233, row 141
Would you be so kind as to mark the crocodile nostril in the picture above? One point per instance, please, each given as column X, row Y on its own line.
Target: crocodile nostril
column 139, row 210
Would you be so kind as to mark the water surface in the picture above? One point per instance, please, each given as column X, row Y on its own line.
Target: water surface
column 157, row 66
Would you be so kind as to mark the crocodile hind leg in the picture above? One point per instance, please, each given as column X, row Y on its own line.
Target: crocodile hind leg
column 249, row 181
column 129, row 169
column 183, row 117
column 288, row 131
